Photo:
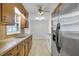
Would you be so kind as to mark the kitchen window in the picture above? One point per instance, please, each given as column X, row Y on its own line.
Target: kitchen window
column 14, row 29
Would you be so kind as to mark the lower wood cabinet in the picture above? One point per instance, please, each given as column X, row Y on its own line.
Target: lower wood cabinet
column 26, row 46
column 22, row 49
column 30, row 43
column 12, row 52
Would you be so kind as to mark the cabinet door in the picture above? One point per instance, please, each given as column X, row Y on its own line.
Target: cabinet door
column 27, row 22
column 21, row 49
column 24, row 15
column 0, row 12
column 30, row 42
column 21, row 8
column 12, row 52
column 23, row 21
column 8, row 13
column 26, row 47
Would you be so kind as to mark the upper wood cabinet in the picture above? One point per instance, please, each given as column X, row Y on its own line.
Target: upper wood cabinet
column 22, row 9
column 7, row 13
column 23, row 21
column 23, row 16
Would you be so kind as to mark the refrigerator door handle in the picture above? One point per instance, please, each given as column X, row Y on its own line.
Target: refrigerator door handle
column 57, row 37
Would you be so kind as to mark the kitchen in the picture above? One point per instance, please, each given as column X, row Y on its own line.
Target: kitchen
column 39, row 29
column 20, row 34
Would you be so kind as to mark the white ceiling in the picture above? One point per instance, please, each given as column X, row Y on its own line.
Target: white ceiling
column 33, row 7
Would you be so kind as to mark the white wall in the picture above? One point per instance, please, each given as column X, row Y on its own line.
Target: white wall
column 39, row 29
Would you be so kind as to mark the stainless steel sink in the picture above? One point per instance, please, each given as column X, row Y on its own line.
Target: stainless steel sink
column 20, row 36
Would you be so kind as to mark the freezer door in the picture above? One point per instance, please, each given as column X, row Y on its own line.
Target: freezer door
column 70, row 45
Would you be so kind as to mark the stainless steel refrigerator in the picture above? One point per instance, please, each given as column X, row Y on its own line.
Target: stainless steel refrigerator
column 65, row 38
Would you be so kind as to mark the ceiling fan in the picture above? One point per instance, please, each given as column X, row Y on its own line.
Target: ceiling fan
column 41, row 10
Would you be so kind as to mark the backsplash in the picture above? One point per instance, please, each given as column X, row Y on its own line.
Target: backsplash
column 3, row 32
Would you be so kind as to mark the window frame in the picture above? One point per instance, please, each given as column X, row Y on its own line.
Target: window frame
column 16, row 23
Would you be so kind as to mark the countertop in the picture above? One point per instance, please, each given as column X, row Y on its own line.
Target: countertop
column 12, row 43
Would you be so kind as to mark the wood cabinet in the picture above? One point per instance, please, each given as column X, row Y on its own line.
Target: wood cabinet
column 30, row 43
column 12, row 52
column 23, row 21
column 22, row 9
column 23, row 15
column 26, row 46
column 7, row 13
column 21, row 49
column 0, row 12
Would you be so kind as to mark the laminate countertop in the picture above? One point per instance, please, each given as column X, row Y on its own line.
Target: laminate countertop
column 12, row 42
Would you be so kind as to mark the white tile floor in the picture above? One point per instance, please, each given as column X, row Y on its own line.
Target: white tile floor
column 39, row 48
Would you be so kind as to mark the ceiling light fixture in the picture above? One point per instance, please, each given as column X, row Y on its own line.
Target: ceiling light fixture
column 40, row 18
column 40, row 13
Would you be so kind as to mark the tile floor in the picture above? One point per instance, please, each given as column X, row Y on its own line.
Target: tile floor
column 39, row 48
